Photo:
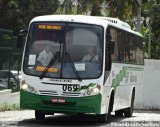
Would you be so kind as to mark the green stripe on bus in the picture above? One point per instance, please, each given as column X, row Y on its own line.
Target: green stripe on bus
column 122, row 74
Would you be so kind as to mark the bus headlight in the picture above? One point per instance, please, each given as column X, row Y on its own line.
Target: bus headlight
column 28, row 87
column 94, row 91
column 24, row 86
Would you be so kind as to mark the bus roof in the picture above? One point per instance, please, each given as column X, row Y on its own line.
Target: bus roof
column 98, row 20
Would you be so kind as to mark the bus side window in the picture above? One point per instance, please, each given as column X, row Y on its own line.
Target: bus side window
column 139, row 51
column 121, row 45
column 127, row 47
column 111, row 36
column 132, row 46
column 113, row 33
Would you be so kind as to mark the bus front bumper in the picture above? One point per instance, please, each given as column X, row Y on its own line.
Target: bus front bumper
column 90, row 104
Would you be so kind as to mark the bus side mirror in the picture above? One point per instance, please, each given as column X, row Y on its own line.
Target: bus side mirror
column 111, row 47
column 20, row 38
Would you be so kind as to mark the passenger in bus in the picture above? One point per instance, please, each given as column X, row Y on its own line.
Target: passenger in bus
column 45, row 56
column 91, row 55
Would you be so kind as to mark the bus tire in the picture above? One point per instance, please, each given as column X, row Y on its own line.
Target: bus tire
column 103, row 118
column 129, row 111
column 80, row 114
column 119, row 113
column 39, row 115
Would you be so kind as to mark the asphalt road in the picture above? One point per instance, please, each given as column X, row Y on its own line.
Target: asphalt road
column 26, row 119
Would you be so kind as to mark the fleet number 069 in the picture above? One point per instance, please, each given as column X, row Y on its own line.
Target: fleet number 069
column 70, row 87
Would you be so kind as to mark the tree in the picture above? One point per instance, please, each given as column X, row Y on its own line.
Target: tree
column 151, row 11
column 123, row 9
column 33, row 8
column 92, row 6
column 9, row 14
column 16, row 14
column 82, row 7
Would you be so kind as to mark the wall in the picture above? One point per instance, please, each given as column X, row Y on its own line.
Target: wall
column 151, row 88
column 10, row 98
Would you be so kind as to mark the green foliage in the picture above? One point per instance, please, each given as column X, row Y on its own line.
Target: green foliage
column 151, row 10
column 16, row 14
column 95, row 8
column 123, row 9
column 83, row 7
column 15, row 107
column 145, row 33
column 5, row 107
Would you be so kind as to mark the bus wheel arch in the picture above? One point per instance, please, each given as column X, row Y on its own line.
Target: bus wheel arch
column 107, row 116
column 111, row 101
column 110, row 104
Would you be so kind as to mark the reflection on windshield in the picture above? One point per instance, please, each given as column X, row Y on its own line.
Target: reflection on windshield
column 82, row 42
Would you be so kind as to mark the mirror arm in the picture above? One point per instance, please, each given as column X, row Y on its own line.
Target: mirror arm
column 23, row 31
column 20, row 38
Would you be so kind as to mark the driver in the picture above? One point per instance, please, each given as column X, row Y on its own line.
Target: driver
column 91, row 55
column 45, row 56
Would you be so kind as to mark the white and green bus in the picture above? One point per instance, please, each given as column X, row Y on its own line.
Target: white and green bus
column 59, row 74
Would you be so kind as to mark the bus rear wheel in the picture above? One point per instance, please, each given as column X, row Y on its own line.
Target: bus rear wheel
column 129, row 111
column 119, row 113
column 39, row 115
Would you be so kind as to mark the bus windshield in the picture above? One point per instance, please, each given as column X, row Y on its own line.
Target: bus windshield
column 64, row 50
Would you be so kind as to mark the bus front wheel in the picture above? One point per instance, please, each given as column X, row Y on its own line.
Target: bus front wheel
column 39, row 115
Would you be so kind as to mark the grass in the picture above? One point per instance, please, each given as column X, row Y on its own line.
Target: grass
column 6, row 107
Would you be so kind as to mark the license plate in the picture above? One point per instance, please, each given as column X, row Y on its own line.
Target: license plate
column 58, row 100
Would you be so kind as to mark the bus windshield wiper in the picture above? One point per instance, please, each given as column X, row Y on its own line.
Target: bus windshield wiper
column 52, row 61
column 73, row 67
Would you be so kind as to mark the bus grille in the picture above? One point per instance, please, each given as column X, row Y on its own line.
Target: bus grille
column 55, row 93
column 71, row 94
column 47, row 92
